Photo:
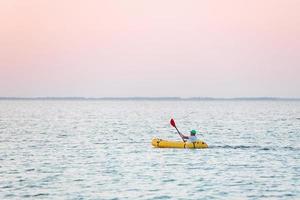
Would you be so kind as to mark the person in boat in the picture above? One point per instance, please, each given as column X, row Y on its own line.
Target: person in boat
column 192, row 138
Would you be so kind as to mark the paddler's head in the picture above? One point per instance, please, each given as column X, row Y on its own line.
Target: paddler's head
column 193, row 132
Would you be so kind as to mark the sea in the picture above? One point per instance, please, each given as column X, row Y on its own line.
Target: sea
column 101, row 149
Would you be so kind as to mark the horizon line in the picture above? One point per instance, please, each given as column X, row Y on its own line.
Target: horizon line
column 148, row 98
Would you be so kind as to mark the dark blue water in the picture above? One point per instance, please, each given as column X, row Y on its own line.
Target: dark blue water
column 101, row 150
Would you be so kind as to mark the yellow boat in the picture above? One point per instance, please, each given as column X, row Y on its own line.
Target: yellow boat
column 159, row 143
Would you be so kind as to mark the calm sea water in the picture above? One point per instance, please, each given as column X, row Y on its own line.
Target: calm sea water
column 54, row 149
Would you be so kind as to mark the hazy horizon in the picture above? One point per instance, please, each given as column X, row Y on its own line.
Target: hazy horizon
column 219, row 49
column 147, row 98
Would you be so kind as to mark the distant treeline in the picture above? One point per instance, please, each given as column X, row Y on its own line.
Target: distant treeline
column 156, row 98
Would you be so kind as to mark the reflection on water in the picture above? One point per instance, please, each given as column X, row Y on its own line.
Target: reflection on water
column 102, row 150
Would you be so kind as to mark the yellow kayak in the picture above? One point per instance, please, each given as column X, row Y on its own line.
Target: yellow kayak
column 159, row 143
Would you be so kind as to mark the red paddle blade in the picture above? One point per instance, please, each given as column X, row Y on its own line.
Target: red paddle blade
column 172, row 122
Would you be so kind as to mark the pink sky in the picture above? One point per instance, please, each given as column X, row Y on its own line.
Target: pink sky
column 97, row 48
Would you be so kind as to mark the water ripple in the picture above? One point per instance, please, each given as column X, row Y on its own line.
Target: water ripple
column 102, row 150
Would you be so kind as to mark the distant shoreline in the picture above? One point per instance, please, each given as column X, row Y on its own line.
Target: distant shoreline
column 156, row 98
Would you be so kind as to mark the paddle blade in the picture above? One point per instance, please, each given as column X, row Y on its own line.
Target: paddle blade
column 172, row 122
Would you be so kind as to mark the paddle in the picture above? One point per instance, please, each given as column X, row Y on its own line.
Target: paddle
column 172, row 122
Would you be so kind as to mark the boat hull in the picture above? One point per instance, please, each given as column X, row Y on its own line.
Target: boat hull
column 159, row 143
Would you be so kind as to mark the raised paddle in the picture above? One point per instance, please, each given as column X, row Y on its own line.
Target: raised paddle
column 172, row 122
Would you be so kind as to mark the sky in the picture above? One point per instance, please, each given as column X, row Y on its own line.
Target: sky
column 150, row 48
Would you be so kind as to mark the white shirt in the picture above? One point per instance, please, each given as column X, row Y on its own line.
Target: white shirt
column 192, row 138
